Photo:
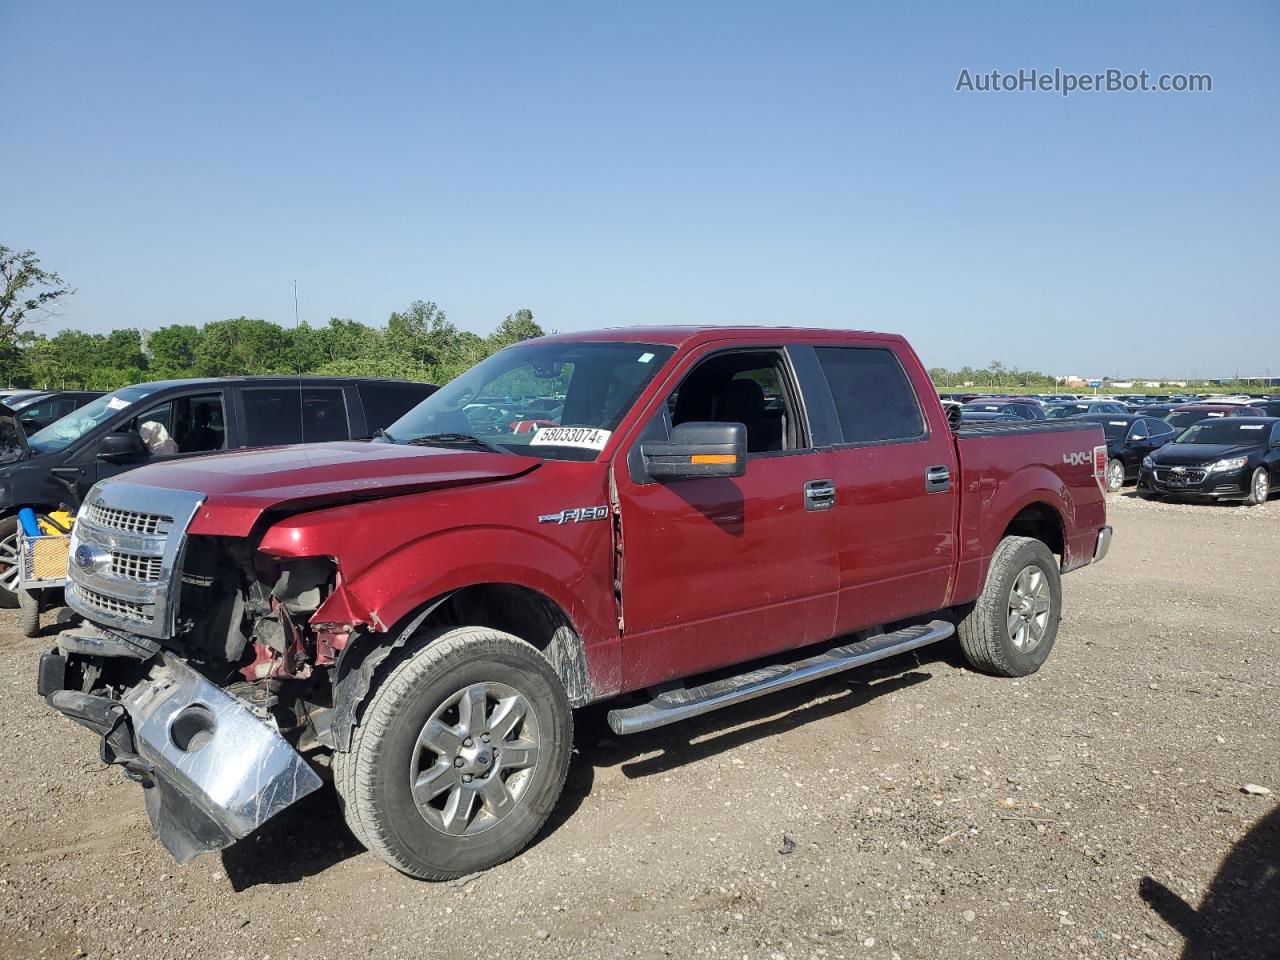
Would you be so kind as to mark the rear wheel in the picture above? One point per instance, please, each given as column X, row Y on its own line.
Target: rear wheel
column 1114, row 475
column 9, row 574
column 1259, row 487
column 460, row 755
column 1013, row 625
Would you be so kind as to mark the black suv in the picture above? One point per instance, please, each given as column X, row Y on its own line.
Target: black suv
column 55, row 467
column 1129, row 439
column 1233, row 458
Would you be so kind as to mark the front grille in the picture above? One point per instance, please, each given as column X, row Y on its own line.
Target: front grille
column 1188, row 477
column 126, row 548
column 129, row 521
column 124, row 609
column 131, row 566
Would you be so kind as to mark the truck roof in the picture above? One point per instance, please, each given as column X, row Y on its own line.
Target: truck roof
column 675, row 335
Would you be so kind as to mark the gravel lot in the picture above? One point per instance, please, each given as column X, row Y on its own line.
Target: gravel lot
column 914, row 810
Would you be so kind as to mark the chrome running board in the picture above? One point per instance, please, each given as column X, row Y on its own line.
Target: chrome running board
column 672, row 706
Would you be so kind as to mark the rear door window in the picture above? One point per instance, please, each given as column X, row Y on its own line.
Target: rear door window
column 272, row 415
column 873, row 398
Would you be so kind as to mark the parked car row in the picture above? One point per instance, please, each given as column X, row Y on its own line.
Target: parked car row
column 51, row 468
column 1225, row 450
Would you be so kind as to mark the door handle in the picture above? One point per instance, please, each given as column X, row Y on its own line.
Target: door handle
column 819, row 495
column 937, row 479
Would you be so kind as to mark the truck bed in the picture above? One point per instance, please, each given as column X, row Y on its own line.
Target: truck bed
column 1007, row 468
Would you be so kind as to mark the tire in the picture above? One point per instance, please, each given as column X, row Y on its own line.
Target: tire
column 1149, row 495
column 28, row 613
column 986, row 637
column 1259, row 487
column 1114, row 476
column 423, row 703
column 8, row 560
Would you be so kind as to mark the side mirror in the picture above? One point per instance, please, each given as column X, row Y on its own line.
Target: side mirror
column 121, row 446
column 698, row 450
column 1137, row 436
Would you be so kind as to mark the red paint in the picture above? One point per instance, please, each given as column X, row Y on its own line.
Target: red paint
column 712, row 571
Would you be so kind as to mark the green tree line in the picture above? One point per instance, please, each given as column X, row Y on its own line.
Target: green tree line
column 417, row 343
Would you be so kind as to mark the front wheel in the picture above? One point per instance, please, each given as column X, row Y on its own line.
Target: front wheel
column 9, row 572
column 1259, row 487
column 460, row 755
column 1014, row 623
column 1114, row 475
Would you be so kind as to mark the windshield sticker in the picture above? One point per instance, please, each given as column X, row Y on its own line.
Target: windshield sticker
column 587, row 438
column 1117, row 423
column 115, row 403
column 646, row 357
column 1216, row 414
column 1252, row 426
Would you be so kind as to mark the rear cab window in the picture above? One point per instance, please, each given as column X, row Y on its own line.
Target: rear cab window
column 874, row 399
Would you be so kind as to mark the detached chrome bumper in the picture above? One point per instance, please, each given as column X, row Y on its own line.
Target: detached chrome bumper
column 1104, row 544
column 212, row 771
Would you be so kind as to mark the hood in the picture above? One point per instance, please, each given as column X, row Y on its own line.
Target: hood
column 13, row 439
column 240, row 487
column 1200, row 453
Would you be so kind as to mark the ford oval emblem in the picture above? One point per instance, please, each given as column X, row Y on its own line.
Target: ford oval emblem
column 84, row 556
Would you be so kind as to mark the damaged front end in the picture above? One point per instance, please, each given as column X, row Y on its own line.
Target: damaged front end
column 198, row 664
column 211, row 769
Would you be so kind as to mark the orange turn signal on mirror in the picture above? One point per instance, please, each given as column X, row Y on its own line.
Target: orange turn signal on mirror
column 713, row 458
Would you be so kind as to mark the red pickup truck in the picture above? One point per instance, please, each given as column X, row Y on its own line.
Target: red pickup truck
column 671, row 519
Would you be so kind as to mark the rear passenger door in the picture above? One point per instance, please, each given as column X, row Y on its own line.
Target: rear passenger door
column 895, row 479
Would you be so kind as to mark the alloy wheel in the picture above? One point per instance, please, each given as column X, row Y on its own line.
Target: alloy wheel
column 1030, row 601
column 1115, row 475
column 475, row 758
column 9, row 571
column 1261, row 486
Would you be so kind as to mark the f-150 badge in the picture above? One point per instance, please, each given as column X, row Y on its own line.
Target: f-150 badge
column 575, row 515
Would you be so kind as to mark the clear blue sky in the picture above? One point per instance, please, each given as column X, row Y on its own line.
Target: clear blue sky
column 612, row 164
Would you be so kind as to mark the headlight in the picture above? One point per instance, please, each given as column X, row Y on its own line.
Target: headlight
column 1235, row 463
column 1148, row 462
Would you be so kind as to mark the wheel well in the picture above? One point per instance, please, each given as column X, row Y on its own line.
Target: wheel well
column 524, row 613
column 1039, row 521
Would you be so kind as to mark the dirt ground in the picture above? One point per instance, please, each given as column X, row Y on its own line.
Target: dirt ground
column 912, row 810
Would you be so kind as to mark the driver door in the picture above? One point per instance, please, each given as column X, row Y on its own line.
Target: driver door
column 720, row 571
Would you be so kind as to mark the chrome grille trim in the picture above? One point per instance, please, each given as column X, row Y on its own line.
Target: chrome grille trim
column 126, row 556
column 128, row 521
column 122, row 609
column 131, row 566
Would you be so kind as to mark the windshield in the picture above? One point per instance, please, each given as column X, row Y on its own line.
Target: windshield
column 63, row 433
column 1066, row 410
column 1225, row 433
column 563, row 400
column 1182, row 419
